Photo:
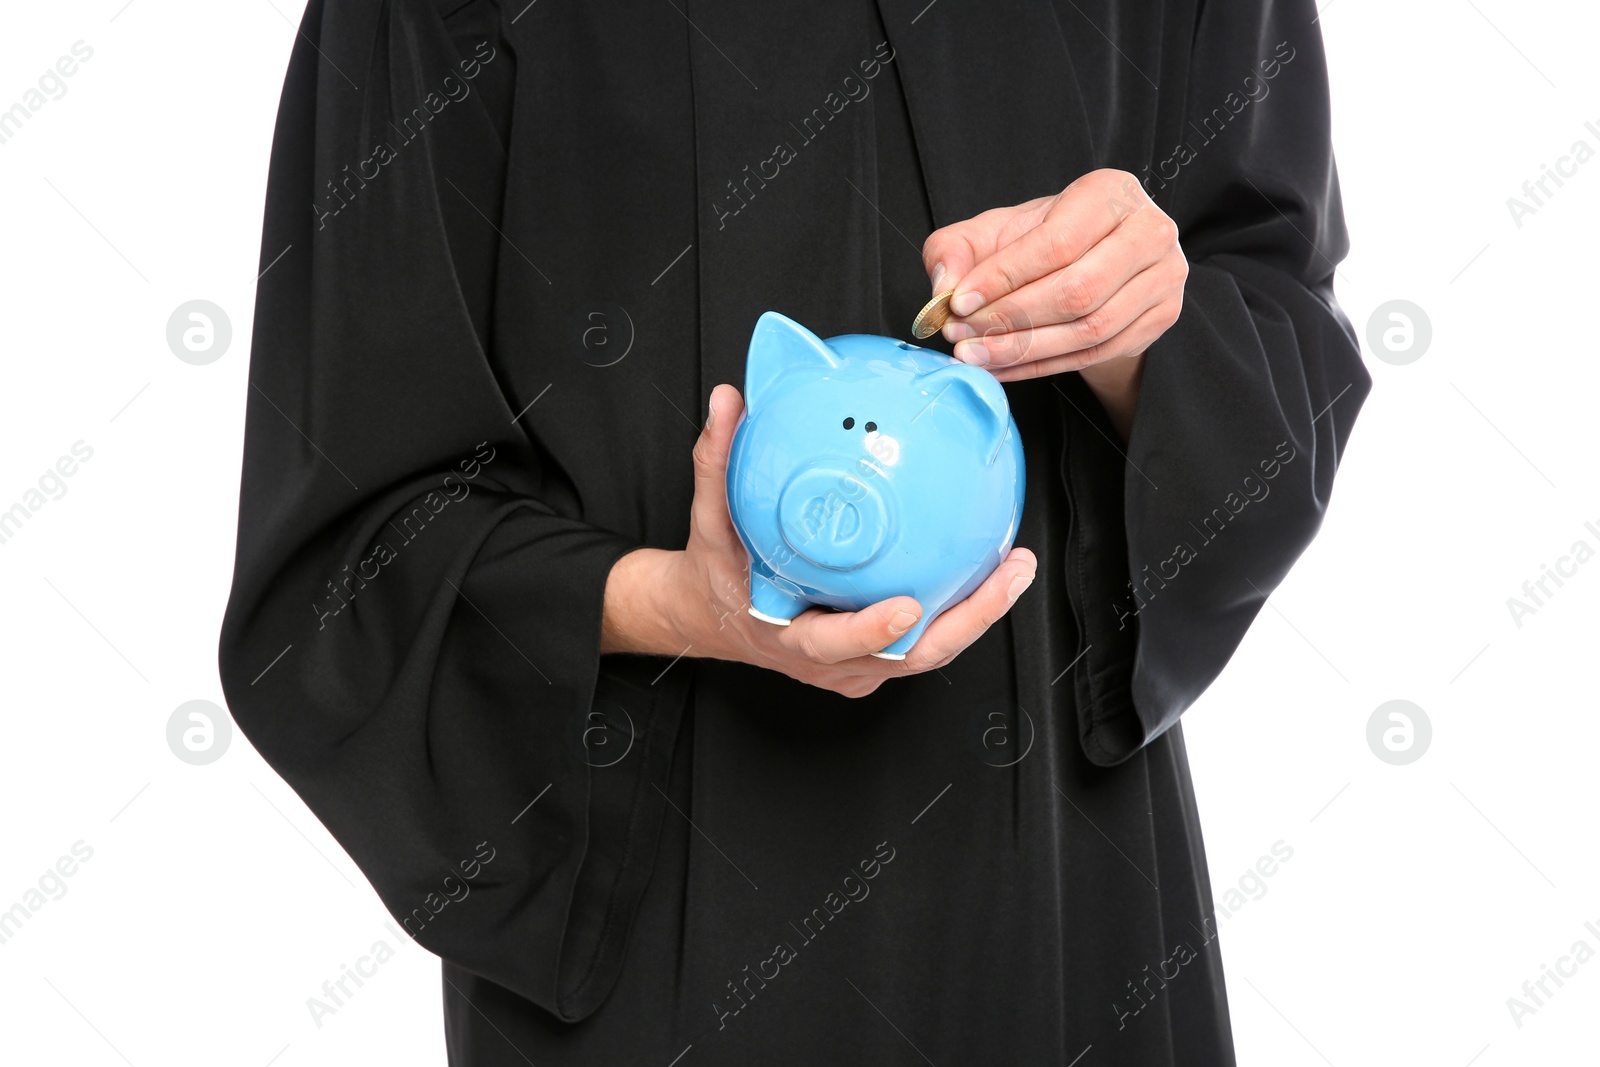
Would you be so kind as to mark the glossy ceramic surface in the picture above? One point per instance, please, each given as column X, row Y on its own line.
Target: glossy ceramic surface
column 864, row 468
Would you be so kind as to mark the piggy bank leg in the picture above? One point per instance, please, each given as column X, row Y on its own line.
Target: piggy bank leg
column 771, row 603
column 903, row 645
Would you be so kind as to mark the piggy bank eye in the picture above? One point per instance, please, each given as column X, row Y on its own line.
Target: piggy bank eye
column 849, row 423
column 872, row 427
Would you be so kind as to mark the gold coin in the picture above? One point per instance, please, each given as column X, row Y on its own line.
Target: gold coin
column 934, row 314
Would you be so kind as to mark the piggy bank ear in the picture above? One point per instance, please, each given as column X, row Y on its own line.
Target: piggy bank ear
column 977, row 397
column 780, row 344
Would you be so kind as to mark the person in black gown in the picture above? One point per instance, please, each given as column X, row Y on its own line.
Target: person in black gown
column 485, row 617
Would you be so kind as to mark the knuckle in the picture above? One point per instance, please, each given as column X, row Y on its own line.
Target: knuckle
column 1063, row 243
column 1012, row 227
column 1005, row 318
column 1133, row 189
column 1009, row 273
column 845, row 686
column 1075, row 293
column 921, row 659
column 806, row 647
column 703, row 454
column 1096, row 326
column 1105, row 177
column 1163, row 229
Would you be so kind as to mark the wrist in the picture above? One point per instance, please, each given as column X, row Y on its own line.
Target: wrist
column 638, row 615
column 1115, row 383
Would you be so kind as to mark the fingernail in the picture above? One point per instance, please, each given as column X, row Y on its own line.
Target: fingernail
column 938, row 276
column 1018, row 586
column 973, row 352
column 902, row 621
column 711, row 413
column 967, row 303
column 958, row 331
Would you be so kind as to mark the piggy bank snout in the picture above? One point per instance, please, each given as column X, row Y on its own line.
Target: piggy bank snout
column 834, row 517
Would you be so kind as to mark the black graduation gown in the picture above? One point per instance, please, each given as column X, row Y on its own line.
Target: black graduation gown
column 519, row 247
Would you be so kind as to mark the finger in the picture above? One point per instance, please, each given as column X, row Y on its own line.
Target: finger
column 709, row 512
column 949, row 634
column 1086, row 212
column 999, row 347
column 1081, row 287
column 949, row 253
column 1144, row 332
column 835, row 636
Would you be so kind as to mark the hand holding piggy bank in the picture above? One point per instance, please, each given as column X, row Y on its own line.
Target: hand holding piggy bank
column 866, row 468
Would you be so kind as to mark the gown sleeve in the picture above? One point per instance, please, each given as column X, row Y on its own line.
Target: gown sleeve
column 412, row 637
column 1246, row 402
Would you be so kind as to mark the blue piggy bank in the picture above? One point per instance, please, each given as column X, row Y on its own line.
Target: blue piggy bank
column 865, row 468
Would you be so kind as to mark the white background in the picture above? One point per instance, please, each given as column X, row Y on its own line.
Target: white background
column 1419, row 897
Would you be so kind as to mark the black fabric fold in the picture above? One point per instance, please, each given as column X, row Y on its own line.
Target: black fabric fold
column 1246, row 403
column 413, row 635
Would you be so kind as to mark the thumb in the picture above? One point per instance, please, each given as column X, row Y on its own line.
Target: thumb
column 947, row 256
column 709, row 512
column 950, row 252
column 959, row 247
